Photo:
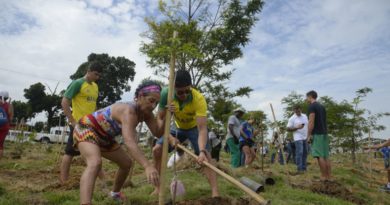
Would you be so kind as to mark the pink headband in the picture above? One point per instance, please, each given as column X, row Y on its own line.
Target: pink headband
column 150, row 89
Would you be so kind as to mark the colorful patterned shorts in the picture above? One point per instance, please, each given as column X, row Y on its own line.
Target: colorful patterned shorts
column 88, row 130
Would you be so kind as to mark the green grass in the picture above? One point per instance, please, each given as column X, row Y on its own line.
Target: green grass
column 23, row 180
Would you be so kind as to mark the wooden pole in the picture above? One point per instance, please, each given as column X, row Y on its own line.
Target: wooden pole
column 262, row 151
column 280, row 137
column 232, row 180
column 369, row 155
column 168, row 115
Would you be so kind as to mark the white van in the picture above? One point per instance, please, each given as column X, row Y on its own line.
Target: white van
column 16, row 136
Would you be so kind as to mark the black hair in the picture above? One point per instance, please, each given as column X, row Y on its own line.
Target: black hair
column 182, row 78
column 95, row 66
column 312, row 94
column 146, row 83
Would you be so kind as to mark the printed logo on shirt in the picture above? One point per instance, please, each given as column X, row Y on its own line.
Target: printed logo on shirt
column 90, row 99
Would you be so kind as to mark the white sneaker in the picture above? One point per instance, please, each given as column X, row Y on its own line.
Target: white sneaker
column 171, row 159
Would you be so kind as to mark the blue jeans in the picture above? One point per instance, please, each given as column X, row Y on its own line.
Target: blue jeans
column 183, row 135
column 291, row 152
column 280, row 155
column 301, row 154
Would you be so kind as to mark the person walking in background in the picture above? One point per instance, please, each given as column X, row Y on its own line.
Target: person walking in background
column 317, row 130
column 297, row 124
column 247, row 140
column 79, row 99
column 233, row 135
column 216, row 144
column 384, row 148
column 6, row 116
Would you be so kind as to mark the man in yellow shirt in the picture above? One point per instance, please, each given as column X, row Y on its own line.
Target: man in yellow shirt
column 81, row 95
column 190, row 113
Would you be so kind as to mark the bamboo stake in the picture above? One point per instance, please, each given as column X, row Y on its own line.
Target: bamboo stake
column 280, row 138
column 369, row 155
column 262, row 151
column 168, row 115
column 232, row 180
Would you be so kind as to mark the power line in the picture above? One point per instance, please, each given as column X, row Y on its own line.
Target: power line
column 30, row 75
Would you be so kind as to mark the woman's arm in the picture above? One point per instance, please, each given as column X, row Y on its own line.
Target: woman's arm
column 129, row 121
column 385, row 144
column 155, row 125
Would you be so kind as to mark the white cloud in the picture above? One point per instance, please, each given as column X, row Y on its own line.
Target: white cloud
column 334, row 47
column 100, row 3
column 64, row 34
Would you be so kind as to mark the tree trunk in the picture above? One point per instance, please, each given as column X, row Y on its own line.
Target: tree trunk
column 353, row 150
column 50, row 115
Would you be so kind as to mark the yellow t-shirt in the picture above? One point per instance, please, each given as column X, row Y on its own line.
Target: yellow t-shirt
column 83, row 96
column 195, row 106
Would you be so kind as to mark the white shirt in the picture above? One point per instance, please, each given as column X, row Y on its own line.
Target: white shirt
column 213, row 138
column 233, row 120
column 296, row 121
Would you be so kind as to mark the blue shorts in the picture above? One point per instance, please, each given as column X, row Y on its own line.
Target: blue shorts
column 190, row 134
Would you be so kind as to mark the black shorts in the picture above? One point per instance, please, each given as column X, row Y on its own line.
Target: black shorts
column 248, row 143
column 69, row 149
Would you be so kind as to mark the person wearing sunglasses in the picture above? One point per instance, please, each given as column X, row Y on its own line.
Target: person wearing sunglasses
column 189, row 108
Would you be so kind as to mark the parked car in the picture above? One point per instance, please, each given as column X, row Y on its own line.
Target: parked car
column 16, row 136
column 56, row 135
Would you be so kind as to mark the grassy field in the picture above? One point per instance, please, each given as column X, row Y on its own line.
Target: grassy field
column 29, row 175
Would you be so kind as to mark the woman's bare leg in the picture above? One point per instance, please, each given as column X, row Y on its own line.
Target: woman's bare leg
column 122, row 159
column 92, row 156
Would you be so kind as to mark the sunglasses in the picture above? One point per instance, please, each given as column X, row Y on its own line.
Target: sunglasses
column 183, row 92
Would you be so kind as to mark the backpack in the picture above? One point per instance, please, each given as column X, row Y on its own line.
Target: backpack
column 3, row 117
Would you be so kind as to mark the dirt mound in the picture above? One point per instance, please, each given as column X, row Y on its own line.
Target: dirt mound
column 337, row 190
column 218, row 201
column 72, row 183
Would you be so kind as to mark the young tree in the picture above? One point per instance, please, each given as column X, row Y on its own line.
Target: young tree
column 115, row 77
column 40, row 101
column 260, row 120
column 363, row 121
column 211, row 35
column 292, row 100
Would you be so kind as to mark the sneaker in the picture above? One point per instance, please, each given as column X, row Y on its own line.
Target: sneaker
column 118, row 196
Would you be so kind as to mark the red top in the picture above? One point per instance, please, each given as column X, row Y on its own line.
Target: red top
column 5, row 106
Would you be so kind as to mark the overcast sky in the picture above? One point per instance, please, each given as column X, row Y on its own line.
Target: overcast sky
column 332, row 46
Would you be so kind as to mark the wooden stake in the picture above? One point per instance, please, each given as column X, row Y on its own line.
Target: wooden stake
column 168, row 115
column 280, row 138
column 369, row 155
column 232, row 180
column 262, row 151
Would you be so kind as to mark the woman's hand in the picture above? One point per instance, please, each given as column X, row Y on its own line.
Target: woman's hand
column 152, row 175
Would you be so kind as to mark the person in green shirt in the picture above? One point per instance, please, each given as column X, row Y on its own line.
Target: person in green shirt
column 189, row 108
column 79, row 99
